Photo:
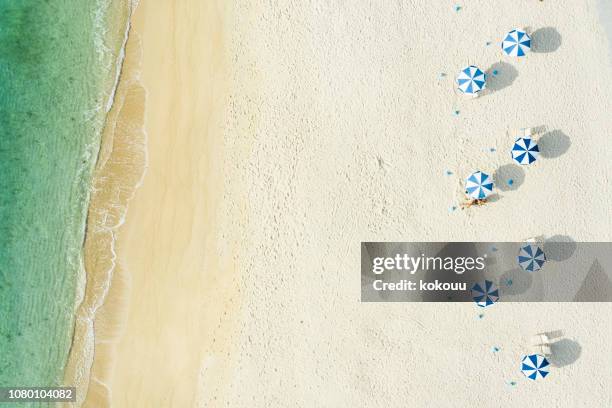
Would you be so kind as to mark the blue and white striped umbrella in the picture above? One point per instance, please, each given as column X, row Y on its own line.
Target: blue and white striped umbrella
column 485, row 293
column 525, row 150
column 516, row 43
column 479, row 185
column 534, row 366
column 471, row 80
column 531, row 257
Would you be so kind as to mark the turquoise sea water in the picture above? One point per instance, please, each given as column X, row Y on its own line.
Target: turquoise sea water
column 57, row 69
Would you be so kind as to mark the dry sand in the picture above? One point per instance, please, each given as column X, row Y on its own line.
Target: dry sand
column 282, row 134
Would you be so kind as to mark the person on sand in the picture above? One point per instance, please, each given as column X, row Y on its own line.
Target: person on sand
column 478, row 186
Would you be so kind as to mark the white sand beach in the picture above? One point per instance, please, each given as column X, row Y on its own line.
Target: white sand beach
column 282, row 134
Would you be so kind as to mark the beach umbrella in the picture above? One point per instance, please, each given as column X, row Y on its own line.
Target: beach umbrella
column 516, row 43
column 531, row 257
column 534, row 366
column 479, row 185
column 525, row 150
column 471, row 80
column 485, row 293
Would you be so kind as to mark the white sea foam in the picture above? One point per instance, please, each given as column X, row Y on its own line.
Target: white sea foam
column 121, row 57
column 86, row 313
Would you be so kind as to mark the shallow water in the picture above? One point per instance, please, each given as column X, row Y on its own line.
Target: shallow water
column 57, row 68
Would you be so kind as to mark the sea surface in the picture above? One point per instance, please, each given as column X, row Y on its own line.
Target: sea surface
column 58, row 67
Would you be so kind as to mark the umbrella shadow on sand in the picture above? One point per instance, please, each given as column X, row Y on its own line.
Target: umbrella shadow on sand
column 509, row 177
column 515, row 282
column 559, row 248
column 564, row 352
column 545, row 40
column 499, row 76
column 554, row 144
column 527, row 286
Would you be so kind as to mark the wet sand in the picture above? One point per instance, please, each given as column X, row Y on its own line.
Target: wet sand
column 158, row 290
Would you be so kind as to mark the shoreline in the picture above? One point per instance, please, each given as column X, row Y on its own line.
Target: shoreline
column 112, row 188
column 103, row 354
